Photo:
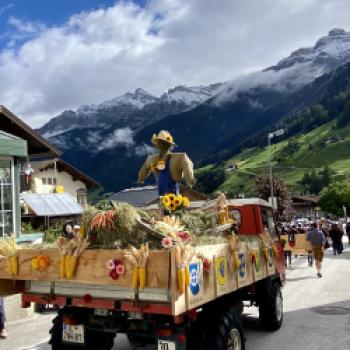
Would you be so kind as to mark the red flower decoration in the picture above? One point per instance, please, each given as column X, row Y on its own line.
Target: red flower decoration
column 113, row 274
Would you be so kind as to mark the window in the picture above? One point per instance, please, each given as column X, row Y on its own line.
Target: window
column 54, row 181
column 43, row 181
column 49, row 181
column 81, row 196
column 6, row 193
column 268, row 221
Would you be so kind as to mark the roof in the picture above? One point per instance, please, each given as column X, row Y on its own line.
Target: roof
column 37, row 145
column 250, row 201
column 52, row 204
column 64, row 166
column 137, row 196
column 309, row 198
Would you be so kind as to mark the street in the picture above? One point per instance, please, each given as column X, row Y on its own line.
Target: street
column 317, row 314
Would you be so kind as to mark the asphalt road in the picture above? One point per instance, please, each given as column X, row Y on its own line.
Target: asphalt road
column 317, row 314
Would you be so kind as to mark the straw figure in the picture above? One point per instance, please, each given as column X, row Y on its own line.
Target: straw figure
column 168, row 168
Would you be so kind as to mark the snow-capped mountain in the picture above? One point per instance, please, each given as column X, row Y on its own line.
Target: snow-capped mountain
column 295, row 71
column 131, row 110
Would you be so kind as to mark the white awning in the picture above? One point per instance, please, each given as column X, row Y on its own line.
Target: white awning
column 52, row 204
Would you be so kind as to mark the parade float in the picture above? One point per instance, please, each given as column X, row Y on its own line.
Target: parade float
column 166, row 261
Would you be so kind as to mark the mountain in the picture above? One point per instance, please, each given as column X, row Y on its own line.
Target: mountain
column 213, row 123
column 254, row 103
column 317, row 136
column 132, row 110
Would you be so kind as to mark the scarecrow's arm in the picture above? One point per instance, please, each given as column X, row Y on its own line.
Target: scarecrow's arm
column 144, row 171
column 187, row 168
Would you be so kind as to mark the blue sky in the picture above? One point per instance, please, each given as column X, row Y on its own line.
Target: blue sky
column 59, row 54
column 48, row 12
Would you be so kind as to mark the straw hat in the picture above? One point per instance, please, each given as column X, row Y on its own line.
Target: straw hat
column 164, row 136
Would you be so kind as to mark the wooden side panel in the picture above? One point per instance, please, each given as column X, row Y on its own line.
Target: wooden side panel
column 301, row 242
column 259, row 267
column 225, row 275
column 245, row 273
column 91, row 268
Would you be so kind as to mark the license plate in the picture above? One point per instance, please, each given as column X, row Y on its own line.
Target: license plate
column 73, row 334
column 166, row 345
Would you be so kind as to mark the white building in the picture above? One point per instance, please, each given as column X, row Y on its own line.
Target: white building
column 56, row 175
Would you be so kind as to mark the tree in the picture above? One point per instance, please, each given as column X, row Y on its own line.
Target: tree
column 335, row 197
column 284, row 211
column 209, row 180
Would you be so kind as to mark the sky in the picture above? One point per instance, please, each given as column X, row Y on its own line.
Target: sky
column 59, row 54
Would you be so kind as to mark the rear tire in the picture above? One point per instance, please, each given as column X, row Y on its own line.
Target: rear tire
column 270, row 301
column 95, row 340
column 226, row 333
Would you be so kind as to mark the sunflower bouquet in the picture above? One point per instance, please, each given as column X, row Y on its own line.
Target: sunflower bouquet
column 173, row 202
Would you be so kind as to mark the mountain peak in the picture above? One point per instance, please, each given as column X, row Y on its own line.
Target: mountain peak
column 337, row 32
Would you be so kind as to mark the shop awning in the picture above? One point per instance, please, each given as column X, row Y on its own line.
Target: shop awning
column 52, row 204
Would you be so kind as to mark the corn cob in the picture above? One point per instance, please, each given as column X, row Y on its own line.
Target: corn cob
column 142, row 272
column 181, row 279
column 187, row 277
column 14, row 265
column 135, row 277
column 236, row 260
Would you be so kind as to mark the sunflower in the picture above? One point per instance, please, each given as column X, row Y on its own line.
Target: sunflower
column 171, row 197
column 185, row 202
column 166, row 201
column 173, row 207
column 178, row 200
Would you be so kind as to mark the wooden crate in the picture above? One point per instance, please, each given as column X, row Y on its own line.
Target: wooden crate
column 161, row 284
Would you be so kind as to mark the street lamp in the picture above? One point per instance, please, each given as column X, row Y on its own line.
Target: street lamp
column 270, row 135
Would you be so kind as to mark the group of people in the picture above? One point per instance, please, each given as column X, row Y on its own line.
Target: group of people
column 321, row 235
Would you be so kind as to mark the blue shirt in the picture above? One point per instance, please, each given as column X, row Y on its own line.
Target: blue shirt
column 315, row 237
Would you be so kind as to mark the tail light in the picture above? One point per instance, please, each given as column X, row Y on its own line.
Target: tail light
column 165, row 332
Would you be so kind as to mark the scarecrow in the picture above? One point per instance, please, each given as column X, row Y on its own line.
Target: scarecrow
column 168, row 168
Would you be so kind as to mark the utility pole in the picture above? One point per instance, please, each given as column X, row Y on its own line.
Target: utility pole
column 270, row 135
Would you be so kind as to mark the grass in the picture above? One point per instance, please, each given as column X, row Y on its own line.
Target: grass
column 312, row 152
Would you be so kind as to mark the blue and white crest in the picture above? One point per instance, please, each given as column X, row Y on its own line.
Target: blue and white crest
column 241, row 269
column 194, row 270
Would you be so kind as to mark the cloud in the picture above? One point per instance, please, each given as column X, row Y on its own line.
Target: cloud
column 144, row 150
column 120, row 137
column 5, row 8
column 103, row 53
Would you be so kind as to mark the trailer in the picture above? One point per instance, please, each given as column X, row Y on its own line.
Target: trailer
column 94, row 308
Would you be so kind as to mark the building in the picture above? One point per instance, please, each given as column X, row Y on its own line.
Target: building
column 22, row 169
column 306, row 207
column 56, row 175
column 147, row 195
column 18, row 142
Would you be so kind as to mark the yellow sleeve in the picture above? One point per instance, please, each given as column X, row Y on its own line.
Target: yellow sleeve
column 187, row 168
column 145, row 170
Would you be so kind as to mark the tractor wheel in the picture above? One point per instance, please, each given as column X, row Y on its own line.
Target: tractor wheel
column 271, row 306
column 226, row 333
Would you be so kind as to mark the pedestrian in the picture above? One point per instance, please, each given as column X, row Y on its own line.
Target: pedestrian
column 347, row 230
column 3, row 332
column 336, row 235
column 317, row 239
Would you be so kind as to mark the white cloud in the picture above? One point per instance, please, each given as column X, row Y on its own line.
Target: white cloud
column 100, row 54
column 5, row 8
column 120, row 137
column 144, row 150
